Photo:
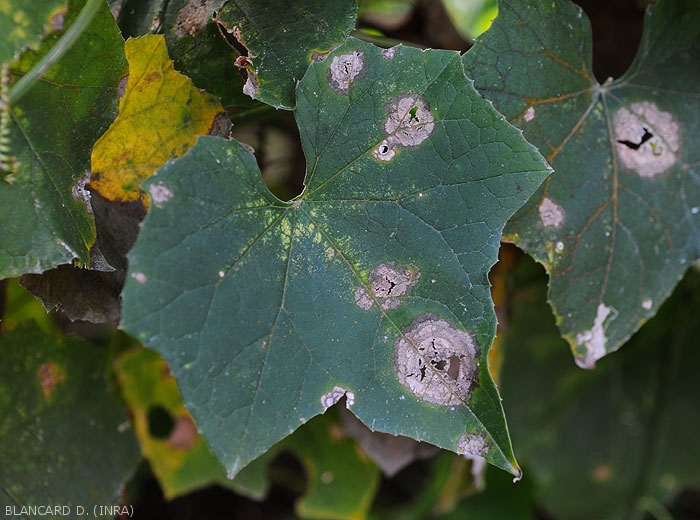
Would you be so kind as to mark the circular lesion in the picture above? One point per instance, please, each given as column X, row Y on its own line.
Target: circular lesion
column 409, row 123
column 436, row 361
column 386, row 283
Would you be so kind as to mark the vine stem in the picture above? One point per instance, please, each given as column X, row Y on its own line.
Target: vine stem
column 62, row 46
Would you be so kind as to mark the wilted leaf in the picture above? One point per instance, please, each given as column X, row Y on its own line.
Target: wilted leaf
column 24, row 24
column 160, row 117
column 280, row 39
column 269, row 312
column 616, row 224
column 598, row 443
column 51, row 132
column 82, row 294
column 62, row 436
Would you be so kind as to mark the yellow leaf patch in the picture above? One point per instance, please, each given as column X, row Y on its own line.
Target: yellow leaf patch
column 160, row 117
column 180, row 459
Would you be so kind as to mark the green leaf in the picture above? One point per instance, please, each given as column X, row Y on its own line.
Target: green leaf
column 600, row 444
column 341, row 482
column 616, row 225
column 49, row 133
column 23, row 24
column 194, row 41
column 471, row 17
column 282, row 39
column 62, row 436
column 268, row 312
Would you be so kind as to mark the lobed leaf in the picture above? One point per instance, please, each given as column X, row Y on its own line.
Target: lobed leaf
column 617, row 225
column 268, row 312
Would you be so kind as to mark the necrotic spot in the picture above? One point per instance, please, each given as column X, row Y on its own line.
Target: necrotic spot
column 387, row 282
column 647, row 138
column 343, row 71
column 435, row 361
column 470, row 445
column 193, row 17
column 551, row 213
column 409, row 123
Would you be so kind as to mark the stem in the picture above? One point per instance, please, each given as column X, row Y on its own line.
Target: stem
column 54, row 54
column 382, row 41
column 241, row 118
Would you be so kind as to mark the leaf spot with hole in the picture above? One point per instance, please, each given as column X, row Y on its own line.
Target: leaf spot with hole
column 343, row 71
column 647, row 139
column 436, row 362
column 408, row 124
column 387, row 282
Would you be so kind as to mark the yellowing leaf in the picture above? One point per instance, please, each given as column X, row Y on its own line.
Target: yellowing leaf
column 176, row 452
column 160, row 117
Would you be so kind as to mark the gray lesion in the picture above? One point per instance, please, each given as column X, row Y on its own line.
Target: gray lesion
column 387, row 282
column 343, row 70
column 408, row 124
column 436, row 362
column 647, row 139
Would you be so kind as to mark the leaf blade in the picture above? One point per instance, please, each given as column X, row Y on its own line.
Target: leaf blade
column 42, row 224
column 604, row 225
column 278, row 306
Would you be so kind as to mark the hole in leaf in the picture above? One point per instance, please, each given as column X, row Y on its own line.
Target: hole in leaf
column 635, row 146
column 453, row 369
column 160, row 422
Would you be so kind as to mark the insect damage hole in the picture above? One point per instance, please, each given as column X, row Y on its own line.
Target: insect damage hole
column 343, row 71
column 647, row 139
column 387, row 282
column 436, row 362
column 408, row 124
